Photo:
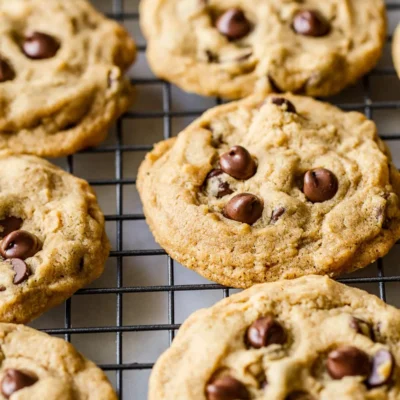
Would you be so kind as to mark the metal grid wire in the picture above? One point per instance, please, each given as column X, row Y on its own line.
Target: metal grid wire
column 121, row 252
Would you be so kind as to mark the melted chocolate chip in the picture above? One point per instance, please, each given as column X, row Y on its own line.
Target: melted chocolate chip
column 39, row 46
column 320, row 185
column 10, row 224
column 22, row 272
column 19, row 244
column 245, row 208
column 238, row 163
column 233, row 24
column 310, row 23
column 223, row 187
column 214, row 172
column 15, row 380
column 348, row 361
column 226, row 388
column 276, row 214
column 6, row 72
column 382, row 368
column 264, row 332
column 281, row 101
column 361, row 327
column 212, row 58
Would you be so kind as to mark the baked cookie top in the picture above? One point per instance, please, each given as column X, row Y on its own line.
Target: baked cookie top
column 52, row 237
column 36, row 366
column 61, row 75
column 306, row 339
column 273, row 187
column 396, row 49
column 231, row 48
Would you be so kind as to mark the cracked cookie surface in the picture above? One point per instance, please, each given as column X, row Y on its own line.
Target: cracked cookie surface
column 61, row 75
column 36, row 366
column 272, row 187
column 305, row 339
column 52, row 237
column 231, row 48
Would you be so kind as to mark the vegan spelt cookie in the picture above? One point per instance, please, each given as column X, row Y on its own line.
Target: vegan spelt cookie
column 272, row 187
column 231, row 48
column 36, row 366
column 306, row 339
column 61, row 75
column 52, row 237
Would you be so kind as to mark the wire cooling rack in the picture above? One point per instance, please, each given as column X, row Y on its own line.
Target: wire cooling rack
column 126, row 319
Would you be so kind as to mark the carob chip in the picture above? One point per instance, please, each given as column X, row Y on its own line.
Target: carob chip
column 39, row 46
column 226, row 388
column 382, row 368
column 361, row 327
column 245, row 208
column 233, row 24
column 6, row 72
column 264, row 332
column 10, row 224
column 348, row 361
column 19, row 244
column 238, row 163
column 310, row 23
column 281, row 101
column 15, row 380
column 320, row 185
column 22, row 272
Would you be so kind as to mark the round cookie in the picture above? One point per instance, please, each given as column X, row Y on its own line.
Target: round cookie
column 61, row 75
column 231, row 48
column 272, row 187
column 306, row 339
column 52, row 237
column 36, row 366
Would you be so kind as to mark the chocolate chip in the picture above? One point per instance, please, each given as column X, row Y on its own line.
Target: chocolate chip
column 348, row 361
column 39, row 46
column 281, row 101
column 276, row 214
column 15, row 380
column 245, row 208
column 6, row 72
column 212, row 57
column 10, row 224
column 361, row 327
column 320, row 185
column 214, row 172
column 264, row 332
column 310, row 23
column 226, row 388
column 22, row 272
column 233, row 24
column 238, row 163
column 223, row 187
column 382, row 368
column 19, row 244
column 299, row 395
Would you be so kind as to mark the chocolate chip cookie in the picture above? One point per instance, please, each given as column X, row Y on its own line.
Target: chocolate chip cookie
column 36, row 366
column 396, row 49
column 61, row 75
column 273, row 187
column 232, row 48
column 52, row 237
column 306, row 339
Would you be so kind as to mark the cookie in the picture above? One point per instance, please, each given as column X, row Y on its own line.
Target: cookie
column 232, row 48
column 272, row 187
column 61, row 75
column 52, row 237
column 306, row 339
column 36, row 366
column 396, row 50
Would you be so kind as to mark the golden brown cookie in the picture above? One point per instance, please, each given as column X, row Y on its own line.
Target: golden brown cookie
column 61, row 75
column 52, row 237
column 231, row 48
column 305, row 339
column 273, row 187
